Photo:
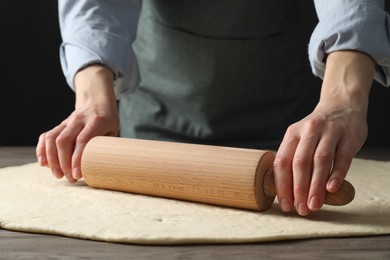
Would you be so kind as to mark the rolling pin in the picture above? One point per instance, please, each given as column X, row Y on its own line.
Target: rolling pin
column 225, row 176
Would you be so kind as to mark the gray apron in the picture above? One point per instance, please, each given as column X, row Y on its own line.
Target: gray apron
column 222, row 72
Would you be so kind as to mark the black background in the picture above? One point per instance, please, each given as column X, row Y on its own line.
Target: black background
column 34, row 96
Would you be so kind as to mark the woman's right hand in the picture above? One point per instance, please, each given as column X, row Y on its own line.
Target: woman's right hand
column 95, row 114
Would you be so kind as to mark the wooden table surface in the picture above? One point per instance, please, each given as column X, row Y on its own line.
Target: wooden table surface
column 19, row 245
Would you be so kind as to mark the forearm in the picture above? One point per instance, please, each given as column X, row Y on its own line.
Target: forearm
column 348, row 79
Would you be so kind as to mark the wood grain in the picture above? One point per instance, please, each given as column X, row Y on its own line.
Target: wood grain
column 226, row 176
column 202, row 173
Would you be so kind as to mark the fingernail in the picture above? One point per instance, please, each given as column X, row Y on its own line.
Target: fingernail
column 285, row 205
column 333, row 185
column 302, row 209
column 76, row 173
column 314, row 203
column 57, row 173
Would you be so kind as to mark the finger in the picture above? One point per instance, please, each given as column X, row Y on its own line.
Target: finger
column 322, row 165
column 89, row 131
column 41, row 150
column 342, row 162
column 283, row 171
column 51, row 151
column 302, row 170
column 65, row 146
column 76, row 161
column 81, row 142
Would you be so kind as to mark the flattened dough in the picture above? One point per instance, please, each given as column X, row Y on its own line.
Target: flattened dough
column 32, row 200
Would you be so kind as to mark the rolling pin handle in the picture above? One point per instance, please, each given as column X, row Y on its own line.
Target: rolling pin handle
column 343, row 196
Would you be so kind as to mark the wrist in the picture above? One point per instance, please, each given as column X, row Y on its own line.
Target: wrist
column 94, row 84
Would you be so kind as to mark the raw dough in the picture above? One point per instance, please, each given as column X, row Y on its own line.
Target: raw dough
column 32, row 200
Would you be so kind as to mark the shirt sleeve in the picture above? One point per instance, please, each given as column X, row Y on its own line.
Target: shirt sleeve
column 361, row 25
column 99, row 31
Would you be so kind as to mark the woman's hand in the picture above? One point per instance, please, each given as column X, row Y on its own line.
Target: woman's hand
column 316, row 152
column 95, row 114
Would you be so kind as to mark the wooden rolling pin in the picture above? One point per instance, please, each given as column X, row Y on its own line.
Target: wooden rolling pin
column 232, row 177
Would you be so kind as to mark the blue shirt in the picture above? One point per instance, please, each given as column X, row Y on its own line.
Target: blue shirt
column 102, row 31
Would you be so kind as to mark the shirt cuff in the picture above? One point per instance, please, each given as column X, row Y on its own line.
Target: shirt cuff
column 362, row 27
column 108, row 50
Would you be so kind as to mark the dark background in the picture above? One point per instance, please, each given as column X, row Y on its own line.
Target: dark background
column 34, row 96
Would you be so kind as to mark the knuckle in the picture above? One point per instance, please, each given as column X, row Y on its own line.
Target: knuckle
column 98, row 119
column 280, row 162
column 82, row 139
column 62, row 140
column 314, row 123
column 77, row 117
column 50, row 136
column 301, row 162
column 322, row 157
column 291, row 129
column 42, row 137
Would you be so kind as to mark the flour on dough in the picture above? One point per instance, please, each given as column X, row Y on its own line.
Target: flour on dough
column 32, row 200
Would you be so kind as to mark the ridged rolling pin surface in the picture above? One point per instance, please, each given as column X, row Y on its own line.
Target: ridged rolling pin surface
column 232, row 177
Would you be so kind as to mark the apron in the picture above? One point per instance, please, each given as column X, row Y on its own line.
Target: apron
column 220, row 72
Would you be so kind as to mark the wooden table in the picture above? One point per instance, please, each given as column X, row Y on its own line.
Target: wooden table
column 18, row 245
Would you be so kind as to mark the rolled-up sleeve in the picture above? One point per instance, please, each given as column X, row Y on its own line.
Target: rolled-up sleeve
column 99, row 31
column 361, row 25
